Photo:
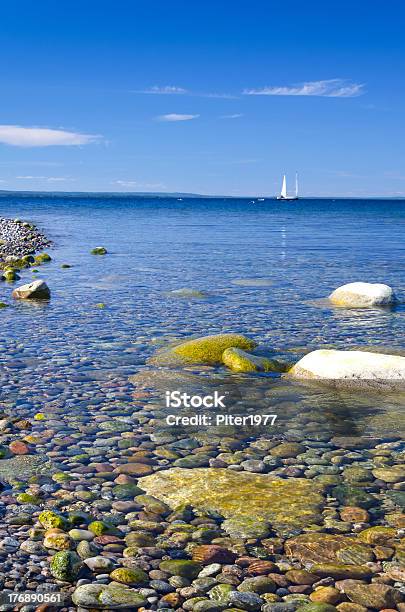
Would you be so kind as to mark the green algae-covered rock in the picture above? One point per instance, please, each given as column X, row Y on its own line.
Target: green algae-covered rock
column 50, row 519
column 207, row 349
column 42, row 258
column 220, row 593
column 328, row 548
column 238, row 360
column 181, row 567
column 27, row 498
column 10, row 275
column 374, row 596
column 349, row 495
column 126, row 491
column 99, row 251
column 251, row 503
column 129, row 576
column 377, row 535
column 112, row 596
column 65, row 565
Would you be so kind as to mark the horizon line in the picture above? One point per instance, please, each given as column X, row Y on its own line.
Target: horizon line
column 175, row 194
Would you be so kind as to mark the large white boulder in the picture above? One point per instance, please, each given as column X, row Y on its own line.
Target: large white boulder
column 362, row 295
column 351, row 369
column 38, row 290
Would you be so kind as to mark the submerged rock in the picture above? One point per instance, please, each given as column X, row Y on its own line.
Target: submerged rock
column 22, row 467
column 239, row 361
column 250, row 503
column 187, row 293
column 329, row 548
column 207, row 349
column 363, row 295
column 38, row 290
column 351, row 369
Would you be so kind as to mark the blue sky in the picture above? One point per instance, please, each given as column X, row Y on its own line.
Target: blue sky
column 208, row 97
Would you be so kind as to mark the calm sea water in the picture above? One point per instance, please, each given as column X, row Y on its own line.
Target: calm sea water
column 263, row 265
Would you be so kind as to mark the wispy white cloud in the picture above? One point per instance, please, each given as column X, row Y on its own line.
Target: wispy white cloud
column 174, row 90
column 329, row 88
column 20, row 136
column 50, row 179
column 135, row 184
column 234, row 116
column 176, row 117
column 165, row 90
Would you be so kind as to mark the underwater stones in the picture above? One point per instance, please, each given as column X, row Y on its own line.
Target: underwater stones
column 112, row 596
column 65, row 565
column 375, row 596
column 207, row 349
column 23, row 467
column 238, row 360
column 181, row 567
column 350, row 495
column 37, row 290
column 393, row 474
column 212, row 553
column 377, row 535
column 287, row 450
column 57, row 539
column 250, row 502
column 351, row 369
column 328, row 548
column 99, row 251
column 362, row 295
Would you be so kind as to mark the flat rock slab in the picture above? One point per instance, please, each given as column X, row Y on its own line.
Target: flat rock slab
column 352, row 369
column 329, row 548
column 252, row 504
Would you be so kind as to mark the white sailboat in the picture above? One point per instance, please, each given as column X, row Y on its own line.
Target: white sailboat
column 283, row 195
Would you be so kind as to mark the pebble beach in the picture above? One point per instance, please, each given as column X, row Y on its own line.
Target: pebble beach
column 105, row 503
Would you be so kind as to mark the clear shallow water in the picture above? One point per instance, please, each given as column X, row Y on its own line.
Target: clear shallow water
column 263, row 264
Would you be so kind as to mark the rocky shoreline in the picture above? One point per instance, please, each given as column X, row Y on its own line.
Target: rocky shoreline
column 19, row 238
column 102, row 503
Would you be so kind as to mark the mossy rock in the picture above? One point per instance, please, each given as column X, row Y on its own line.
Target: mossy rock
column 126, row 491
column 65, row 266
column 50, row 519
column 349, row 495
column 129, row 576
column 181, row 567
column 378, row 535
column 204, row 350
column 42, row 258
column 10, row 275
column 238, row 360
column 99, row 251
column 3, row 305
column 65, row 565
column 101, row 305
column 27, row 498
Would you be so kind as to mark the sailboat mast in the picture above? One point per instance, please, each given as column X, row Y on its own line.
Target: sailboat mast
column 296, row 184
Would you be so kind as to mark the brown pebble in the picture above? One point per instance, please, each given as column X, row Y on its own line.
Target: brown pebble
column 353, row 514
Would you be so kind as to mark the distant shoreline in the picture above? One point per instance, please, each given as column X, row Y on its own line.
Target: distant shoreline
column 197, row 196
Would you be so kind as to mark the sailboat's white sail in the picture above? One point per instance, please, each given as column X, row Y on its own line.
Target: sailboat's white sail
column 284, row 188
